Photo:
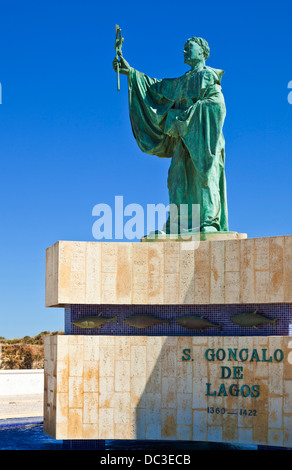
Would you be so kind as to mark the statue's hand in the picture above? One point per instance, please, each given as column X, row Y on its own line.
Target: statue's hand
column 124, row 66
column 172, row 131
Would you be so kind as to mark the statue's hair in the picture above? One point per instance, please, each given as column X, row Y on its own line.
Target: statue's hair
column 204, row 45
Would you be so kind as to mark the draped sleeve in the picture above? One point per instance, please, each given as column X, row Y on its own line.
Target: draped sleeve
column 148, row 110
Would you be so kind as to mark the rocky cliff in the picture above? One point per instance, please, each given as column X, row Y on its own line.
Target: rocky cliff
column 23, row 353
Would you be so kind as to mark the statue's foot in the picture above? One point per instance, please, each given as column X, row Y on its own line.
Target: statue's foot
column 208, row 229
column 155, row 234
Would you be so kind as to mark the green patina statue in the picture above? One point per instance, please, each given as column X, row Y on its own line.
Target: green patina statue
column 182, row 119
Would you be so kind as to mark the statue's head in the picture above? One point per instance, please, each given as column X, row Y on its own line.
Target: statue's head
column 196, row 49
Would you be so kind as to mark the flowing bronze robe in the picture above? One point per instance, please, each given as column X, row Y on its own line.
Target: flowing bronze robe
column 182, row 119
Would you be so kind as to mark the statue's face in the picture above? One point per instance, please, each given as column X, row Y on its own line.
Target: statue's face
column 192, row 52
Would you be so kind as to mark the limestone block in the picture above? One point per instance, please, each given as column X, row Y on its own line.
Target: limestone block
column 217, row 269
column 287, row 269
column 93, row 272
column 155, row 273
column 276, row 265
column 227, row 271
column 247, row 281
column 124, row 273
column 150, row 392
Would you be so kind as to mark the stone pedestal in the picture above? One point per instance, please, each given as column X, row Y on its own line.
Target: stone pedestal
column 225, row 383
column 241, row 271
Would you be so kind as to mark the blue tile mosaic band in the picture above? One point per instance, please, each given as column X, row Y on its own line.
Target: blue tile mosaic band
column 217, row 314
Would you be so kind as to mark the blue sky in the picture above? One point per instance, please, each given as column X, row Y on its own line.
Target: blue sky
column 65, row 138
